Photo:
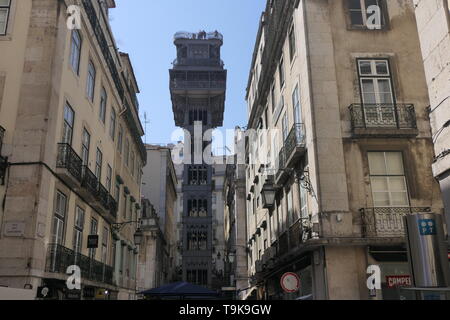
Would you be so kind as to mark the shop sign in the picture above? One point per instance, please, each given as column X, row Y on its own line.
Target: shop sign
column 73, row 294
column 93, row 242
column 290, row 282
column 398, row 281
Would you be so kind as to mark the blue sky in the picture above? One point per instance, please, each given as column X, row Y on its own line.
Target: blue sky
column 145, row 29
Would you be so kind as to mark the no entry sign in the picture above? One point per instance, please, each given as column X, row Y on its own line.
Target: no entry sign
column 290, row 282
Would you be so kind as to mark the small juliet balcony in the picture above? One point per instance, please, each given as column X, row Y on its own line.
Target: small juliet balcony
column 386, row 222
column 383, row 120
column 293, row 150
column 69, row 166
column 101, row 203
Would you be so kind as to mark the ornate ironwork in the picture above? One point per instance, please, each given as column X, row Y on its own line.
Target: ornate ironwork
column 103, row 195
column 68, row 159
column 399, row 116
column 112, row 206
column 90, row 181
column 198, row 62
column 2, row 135
column 295, row 139
column 386, row 221
column 59, row 258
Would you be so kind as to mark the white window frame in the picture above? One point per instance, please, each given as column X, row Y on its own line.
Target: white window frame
column 7, row 10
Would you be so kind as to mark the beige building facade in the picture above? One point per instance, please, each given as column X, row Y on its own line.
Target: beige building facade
column 157, row 261
column 74, row 152
column 433, row 22
column 349, row 147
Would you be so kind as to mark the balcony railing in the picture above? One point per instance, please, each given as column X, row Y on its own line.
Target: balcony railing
column 90, row 182
column 2, row 135
column 198, row 62
column 68, row 159
column 386, row 222
column 384, row 116
column 112, row 206
column 295, row 143
column 196, row 36
column 103, row 195
column 187, row 84
column 59, row 258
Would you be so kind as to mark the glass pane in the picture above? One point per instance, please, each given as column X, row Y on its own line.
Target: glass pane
column 379, row 184
column 5, row 3
column 377, row 163
column 3, row 17
column 382, row 68
column 365, row 67
column 394, row 162
column 368, row 91
column 397, row 184
column 381, row 199
column 356, row 18
column 385, row 91
column 354, row 4
column 399, row 199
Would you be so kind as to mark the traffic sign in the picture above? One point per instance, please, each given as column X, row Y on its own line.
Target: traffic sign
column 290, row 282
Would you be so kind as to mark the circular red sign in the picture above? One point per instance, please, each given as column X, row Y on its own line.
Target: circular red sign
column 290, row 282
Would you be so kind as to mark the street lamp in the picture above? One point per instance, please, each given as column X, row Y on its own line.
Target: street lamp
column 268, row 195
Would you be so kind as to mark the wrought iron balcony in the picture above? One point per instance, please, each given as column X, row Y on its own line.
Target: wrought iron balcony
column 295, row 145
column 112, row 206
column 383, row 119
column 89, row 184
column 386, row 222
column 59, row 258
column 2, row 135
column 281, row 165
column 69, row 166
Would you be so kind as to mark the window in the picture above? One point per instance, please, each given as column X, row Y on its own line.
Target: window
column 387, row 178
column 377, row 92
column 125, row 201
column 103, row 101
column 85, row 145
column 109, row 178
column 133, row 165
column 281, row 72
column 117, row 193
column 69, row 117
column 90, row 86
column 274, row 103
column 120, row 139
column 292, row 44
column 78, row 230
column 75, row 51
column 59, row 218
column 303, row 203
column 127, row 152
column 112, row 124
column 292, row 214
column 94, row 230
column 5, row 6
column 360, row 14
column 98, row 164
column 197, row 240
column 285, row 126
column 105, row 237
column 296, row 104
